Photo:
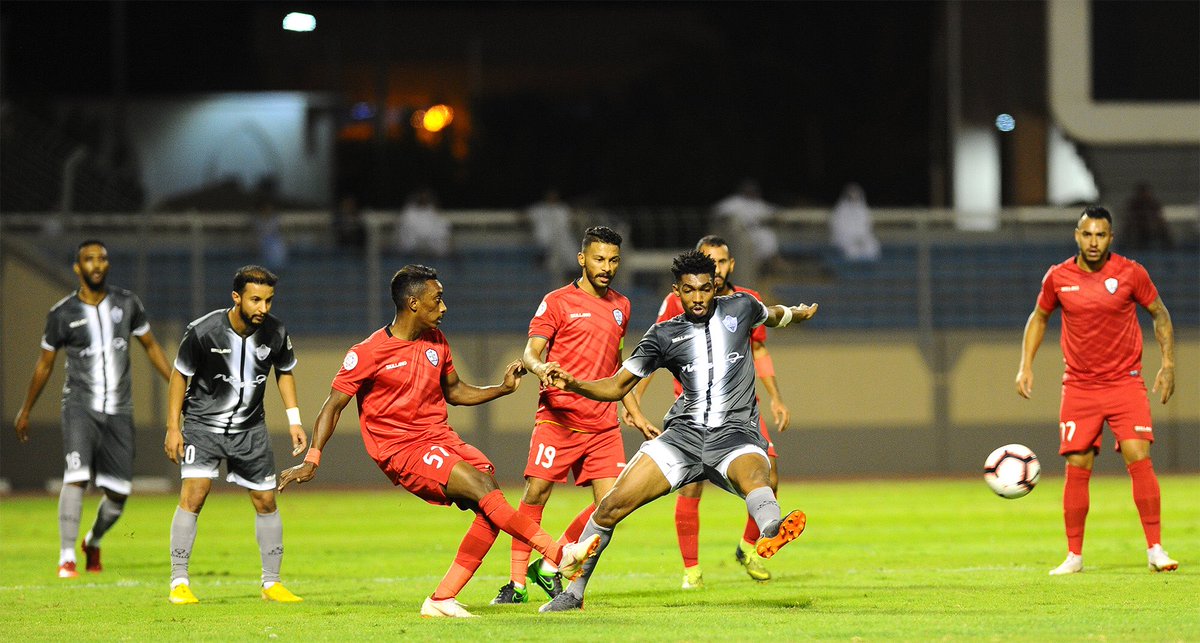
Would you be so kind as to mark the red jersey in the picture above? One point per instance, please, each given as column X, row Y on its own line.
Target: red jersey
column 1101, row 339
column 398, row 384
column 584, row 335
column 673, row 307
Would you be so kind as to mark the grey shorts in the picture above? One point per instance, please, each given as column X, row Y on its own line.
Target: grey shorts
column 247, row 455
column 687, row 454
column 100, row 445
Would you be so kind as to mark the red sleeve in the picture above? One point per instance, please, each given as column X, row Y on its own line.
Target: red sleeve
column 545, row 322
column 1144, row 291
column 626, row 309
column 357, row 367
column 671, row 307
column 1048, row 298
column 448, row 364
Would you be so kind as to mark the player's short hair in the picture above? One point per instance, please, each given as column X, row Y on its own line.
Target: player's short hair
column 409, row 281
column 711, row 241
column 85, row 243
column 600, row 234
column 253, row 274
column 693, row 262
column 1096, row 212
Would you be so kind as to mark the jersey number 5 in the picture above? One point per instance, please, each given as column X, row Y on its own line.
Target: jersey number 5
column 434, row 459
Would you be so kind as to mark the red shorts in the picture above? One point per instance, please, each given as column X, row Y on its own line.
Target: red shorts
column 554, row 450
column 423, row 468
column 1081, row 417
column 762, row 428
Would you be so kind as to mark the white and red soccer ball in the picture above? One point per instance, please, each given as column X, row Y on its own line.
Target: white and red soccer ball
column 1012, row 471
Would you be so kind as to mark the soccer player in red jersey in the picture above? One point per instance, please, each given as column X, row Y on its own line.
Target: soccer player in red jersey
column 1102, row 348
column 403, row 375
column 580, row 327
column 687, row 502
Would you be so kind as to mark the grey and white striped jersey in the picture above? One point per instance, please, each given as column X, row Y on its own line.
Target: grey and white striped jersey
column 96, row 339
column 711, row 359
column 229, row 372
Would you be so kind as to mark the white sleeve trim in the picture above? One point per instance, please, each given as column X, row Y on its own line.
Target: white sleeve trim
column 187, row 372
column 628, row 365
column 141, row 330
column 766, row 314
column 289, row 367
column 46, row 346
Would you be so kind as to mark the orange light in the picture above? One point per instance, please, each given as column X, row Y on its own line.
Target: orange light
column 436, row 118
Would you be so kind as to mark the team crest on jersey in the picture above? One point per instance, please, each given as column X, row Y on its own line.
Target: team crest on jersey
column 618, row 316
column 117, row 315
column 261, row 352
column 1110, row 285
column 350, row 361
column 432, row 356
column 541, row 309
column 730, row 323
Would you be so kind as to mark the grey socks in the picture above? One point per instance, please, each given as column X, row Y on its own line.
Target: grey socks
column 268, row 529
column 70, row 506
column 763, row 508
column 107, row 515
column 183, row 535
column 577, row 586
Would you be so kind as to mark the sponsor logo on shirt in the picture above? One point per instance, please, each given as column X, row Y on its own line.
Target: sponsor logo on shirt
column 77, row 323
column 730, row 323
column 682, row 338
column 618, row 316
column 578, row 315
column 1068, row 289
column 1142, row 429
column 350, row 361
column 261, row 352
column 733, row 357
column 117, row 315
column 237, row 382
column 1110, row 285
column 432, row 356
column 221, row 350
column 396, row 365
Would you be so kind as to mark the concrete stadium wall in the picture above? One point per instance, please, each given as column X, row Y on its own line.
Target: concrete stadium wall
column 862, row 404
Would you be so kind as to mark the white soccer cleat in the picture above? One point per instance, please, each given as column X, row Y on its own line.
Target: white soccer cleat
column 574, row 554
column 1072, row 565
column 1159, row 560
column 445, row 608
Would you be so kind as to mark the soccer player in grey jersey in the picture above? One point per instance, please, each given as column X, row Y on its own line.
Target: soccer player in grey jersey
column 712, row 430
column 94, row 325
column 227, row 355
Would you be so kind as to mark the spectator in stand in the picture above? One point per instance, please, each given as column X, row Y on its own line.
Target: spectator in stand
column 551, row 222
column 348, row 226
column 1145, row 227
column 747, row 217
column 851, row 228
column 422, row 229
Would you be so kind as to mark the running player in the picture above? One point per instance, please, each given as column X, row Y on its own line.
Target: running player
column 403, row 376
column 581, row 327
column 93, row 324
column 218, row 385
column 712, row 431
column 687, row 502
column 1099, row 292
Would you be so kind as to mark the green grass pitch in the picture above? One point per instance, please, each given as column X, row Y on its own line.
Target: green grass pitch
column 880, row 560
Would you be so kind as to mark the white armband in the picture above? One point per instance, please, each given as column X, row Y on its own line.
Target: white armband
column 293, row 415
column 786, row 318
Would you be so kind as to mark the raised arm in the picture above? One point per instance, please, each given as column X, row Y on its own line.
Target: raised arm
column 1035, row 330
column 779, row 316
column 287, row 391
column 459, row 393
column 158, row 359
column 1164, row 332
column 41, row 373
column 327, row 420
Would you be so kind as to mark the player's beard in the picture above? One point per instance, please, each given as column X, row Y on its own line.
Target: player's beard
column 248, row 320
column 97, row 286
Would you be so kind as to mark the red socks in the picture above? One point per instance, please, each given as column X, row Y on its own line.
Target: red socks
column 474, row 547
column 520, row 550
column 1147, row 498
column 751, row 534
column 1075, row 506
column 687, row 526
column 518, row 525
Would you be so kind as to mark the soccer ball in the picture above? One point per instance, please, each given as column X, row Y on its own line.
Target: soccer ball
column 1012, row 470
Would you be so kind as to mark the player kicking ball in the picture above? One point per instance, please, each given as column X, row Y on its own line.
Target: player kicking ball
column 403, row 376
column 712, row 430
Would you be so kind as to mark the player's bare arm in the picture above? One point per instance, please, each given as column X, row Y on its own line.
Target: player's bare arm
column 779, row 316
column 459, row 393
column 287, row 391
column 173, row 442
column 535, row 348
column 323, row 428
column 1164, row 332
column 609, row 389
column 41, row 373
column 779, row 410
column 154, row 351
column 1035, row 330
